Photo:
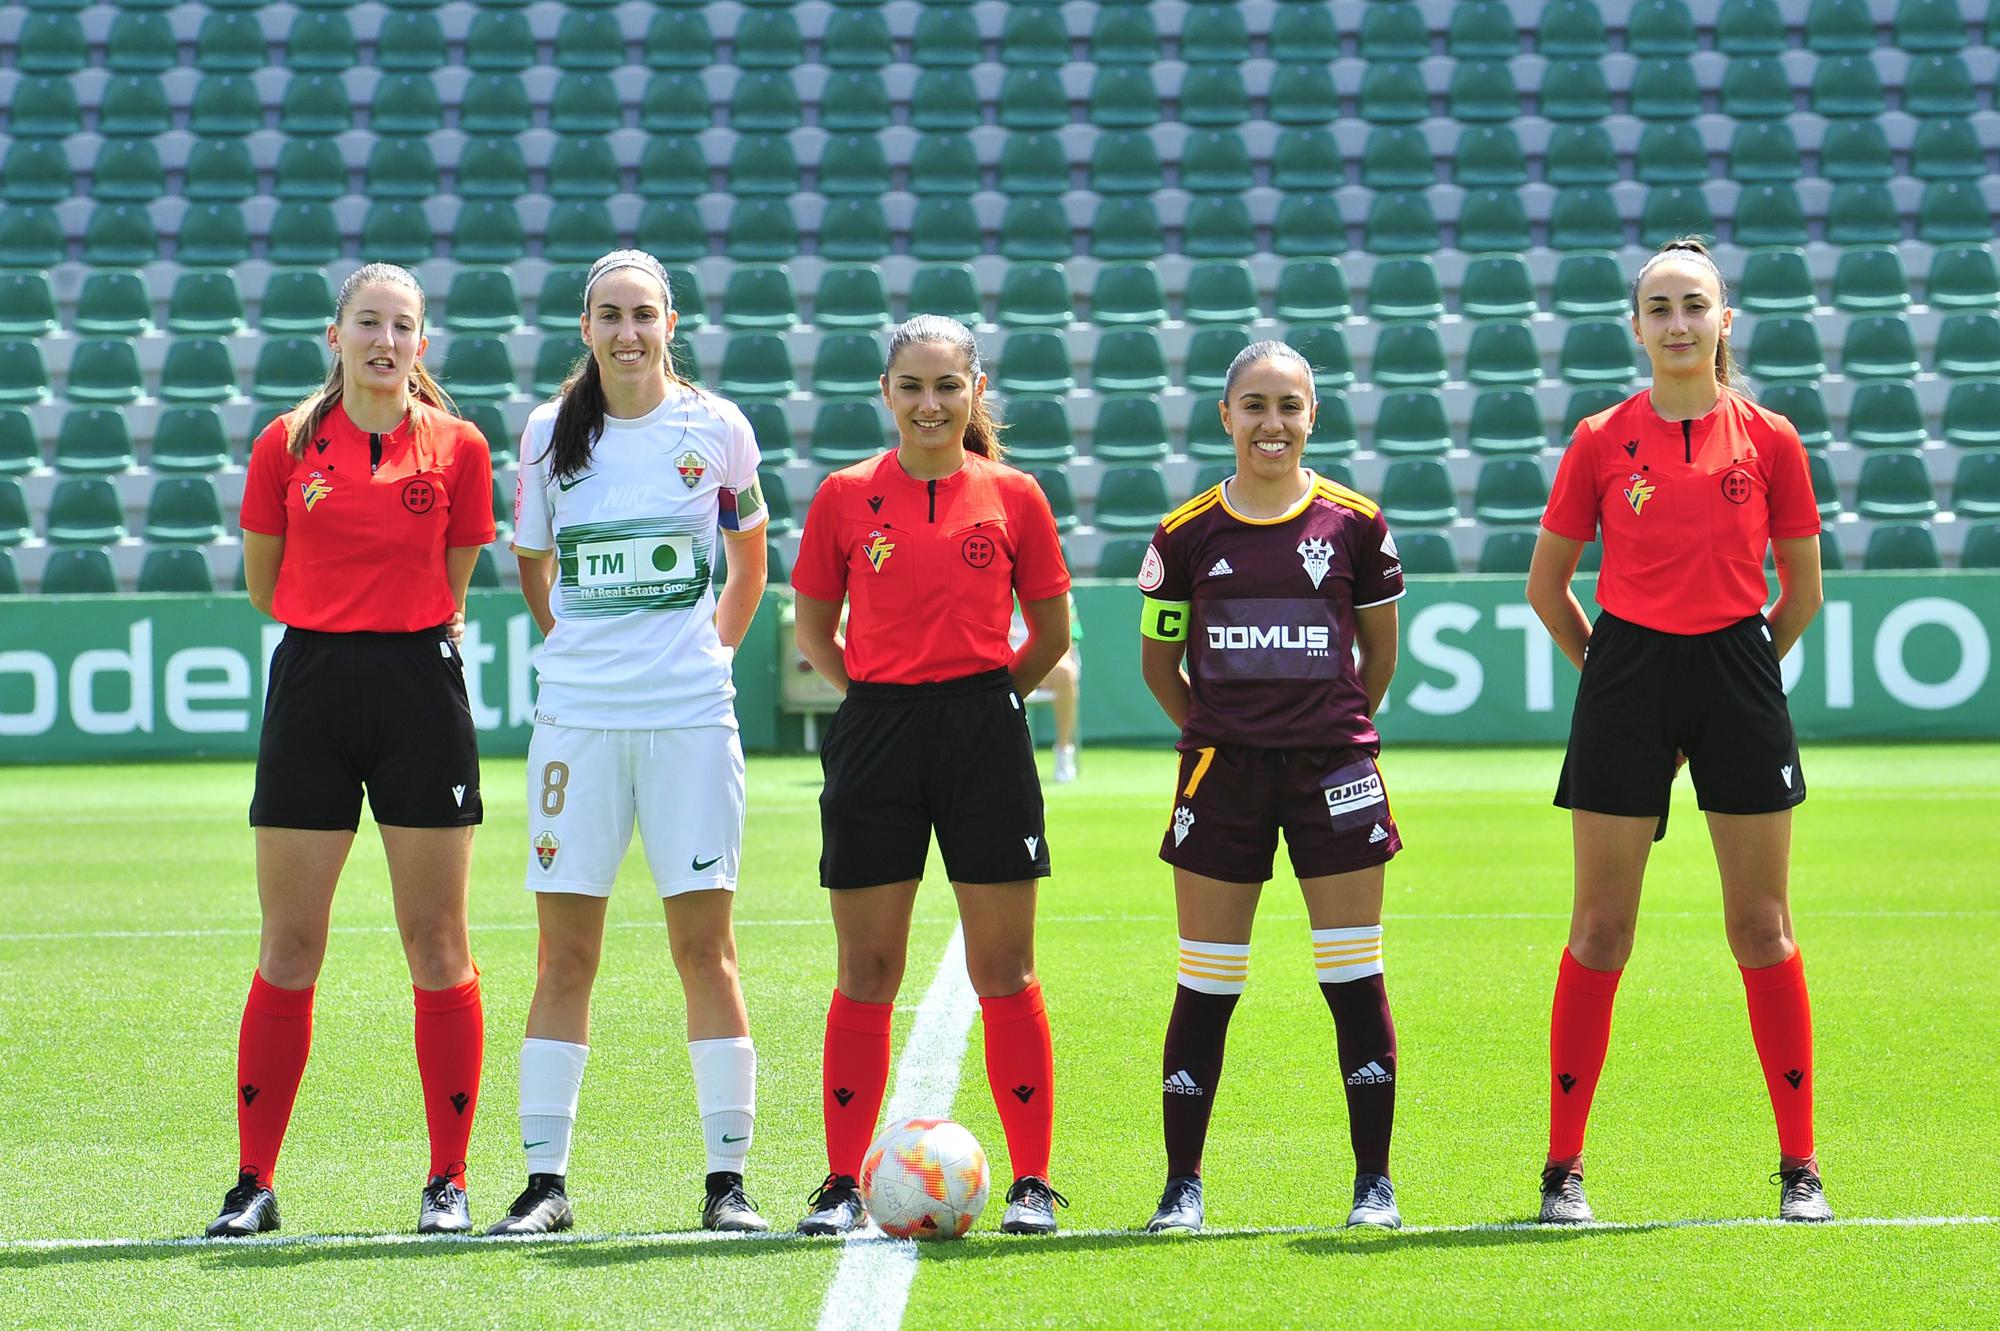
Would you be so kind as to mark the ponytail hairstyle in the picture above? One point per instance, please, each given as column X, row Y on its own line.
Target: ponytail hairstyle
column 313, row 409
column 1726, row 372
column 982, row 427
column 580, row 418
column 1268, row 349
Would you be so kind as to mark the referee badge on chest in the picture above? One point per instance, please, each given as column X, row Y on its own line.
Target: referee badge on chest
column 1638, row 493
column 691, row 466
column 313, row 489
column 878, row 550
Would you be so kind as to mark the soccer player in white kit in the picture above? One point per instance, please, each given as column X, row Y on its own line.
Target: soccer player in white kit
column 627, row 481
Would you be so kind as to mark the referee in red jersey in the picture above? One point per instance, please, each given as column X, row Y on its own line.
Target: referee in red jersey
column 363, row 513
column 1689, row 483
column 1278, row 588
column 929, row 544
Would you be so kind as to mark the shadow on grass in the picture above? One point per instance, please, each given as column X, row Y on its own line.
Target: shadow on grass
column 317, row 1248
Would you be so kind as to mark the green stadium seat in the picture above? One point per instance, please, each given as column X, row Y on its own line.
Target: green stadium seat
column 10, row 577
column 1929, row 25
column 1393, row 93
column 1886, row 415
column 1505, row 420
column 1313, row 290
column 105, row 370
column 1218, row 291
column 128, row 171
column 1584, row 217
column 1035, row 295
column 410, row 43
column 1756, row 87
column 555, row 360
column 1038, row 431
column 1573, row 89
column 306, row 235
column 946, row 163
column 1397, row 157
column 1131, row 293
column 1939, row 84
column 113, row 302
column 20, row 447
column 1975, row 490
column 1302, row 33
column 1412, row 425
column 1035, row 34
column 1399, row 222
column 1776, row 281
column 1493, row 221
column 1497, row 286
column 1879, row 347
column 482, row 300
column 675, row 101
column 1036, row 227
column 1801, row 404
column 1847, row 85
column 943, row 101
column 1510, row 492
column 320, row 41
column 1479, row 30
column 398, row 232
column 1597, row 351
column 229, row 43
column 1674, row 210
column 1390, row 31
column 856, row 101
column 499, row 42
column 1489, row 156
column 84, row 510
column 1671, row 154
column 1409, row 355
column 1953, row 212
column 772, row 429
column 1131, row 499
column 583, row 168
column 1765, row 152
column 1062, row 498
column 120, row 235
column 1972, row 414
column 184, row 510
column 949, row 289
column 1862, row 213
column 1506, row 552
column 757, row 365
column 289, row 367
column 1588, row 284
column 24, row 377
column 560, row 300
column 856, row 164
column 1219, row 33
column 1129, row 360
column 1660, row 29
column 1785, row 348
column 1826, row 490
column 1120, row 559
column 479, row 369
column 1581, row 155
column 1208, row 355
column 200, row 369
column 1968, row 346
column 315, row 104
column 1325, row 348
column 778, row 498
column 1750, row 28
column 45, row 107
column 1215, row 95
column 82, row 571
column 1417, row 492
column 1126, row 35
column 579, row 230
column 1131, row 428
column 15, row 528
column 1855, row 151
column 219, row 170
column 50, row 43
column 946, row 37
column 1834, row 26
column 1572, row 28
column 1124, row 227
column 1947, row 148
column 296, row 301
column 315, row 171
column 851, row 296
column 95, row 442
column 1426, row 553
column 765, row 39
column 1502, row 354
column 679, row 39
column 845, row 432
column 1213, row 161
column 1483, row 91
column 496, row 103
column 945, row 230
column 759, row 230
column 1205, row 438
column 848, row 365
column 1665, row 89
column 491, row 422
column 485, row 570
column 1334, row 438
column 136, row 105
column 1218, row 227
column 1032, row 98
column 760, row 295
column 1901, row 546
column 1301, row 93
column 1982, row 546
column 1035, row 163
column 588, row 103
column 1307, row 160
column 1770, row 215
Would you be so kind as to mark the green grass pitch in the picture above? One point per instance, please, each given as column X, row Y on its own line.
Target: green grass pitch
column 128, row 938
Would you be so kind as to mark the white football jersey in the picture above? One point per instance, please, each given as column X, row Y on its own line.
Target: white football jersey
column 634, row 645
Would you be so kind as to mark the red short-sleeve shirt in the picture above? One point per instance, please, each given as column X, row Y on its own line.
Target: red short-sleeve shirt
column 1687, row 508
column 930, row 569
column 365, row 541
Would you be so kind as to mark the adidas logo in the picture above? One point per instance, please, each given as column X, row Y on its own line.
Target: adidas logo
column 1377, row 836
column 1372, row 1074
column 1181, row 1084
column 1221, row 569
column 1786, row 772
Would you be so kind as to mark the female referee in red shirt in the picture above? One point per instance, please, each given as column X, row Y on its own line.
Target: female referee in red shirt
column 929, row 544
column 363, row 513
column 1689, row 483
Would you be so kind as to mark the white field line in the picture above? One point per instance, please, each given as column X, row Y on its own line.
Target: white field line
column 875, row 1241
column 1393, row 917
column 872, row 1286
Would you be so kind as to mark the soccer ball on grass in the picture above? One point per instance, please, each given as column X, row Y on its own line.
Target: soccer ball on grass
column 924, row 1178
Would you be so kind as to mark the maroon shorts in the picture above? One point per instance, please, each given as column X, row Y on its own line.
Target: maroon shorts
column 1230, row 803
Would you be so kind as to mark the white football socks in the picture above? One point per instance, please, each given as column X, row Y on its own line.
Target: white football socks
column 551, row 1079
column 725, row 1093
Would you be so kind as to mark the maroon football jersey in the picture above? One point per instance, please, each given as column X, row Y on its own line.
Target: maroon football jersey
column 1270, row 619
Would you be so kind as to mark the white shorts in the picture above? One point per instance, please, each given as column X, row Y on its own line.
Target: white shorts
column 586, row 787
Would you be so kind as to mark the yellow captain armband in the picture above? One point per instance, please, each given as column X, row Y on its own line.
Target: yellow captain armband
column 1164, row 621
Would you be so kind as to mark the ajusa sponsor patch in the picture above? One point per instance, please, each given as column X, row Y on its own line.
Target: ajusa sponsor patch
column 1354, row 795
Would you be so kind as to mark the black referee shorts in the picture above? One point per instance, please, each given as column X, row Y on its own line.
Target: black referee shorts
column 901, row 759
column 1715, row 697
column 387, row 711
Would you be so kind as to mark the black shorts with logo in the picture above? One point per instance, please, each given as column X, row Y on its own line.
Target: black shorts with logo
column 1231, row 801
column 385, row 711
column 1716, row 697
column 902, row 759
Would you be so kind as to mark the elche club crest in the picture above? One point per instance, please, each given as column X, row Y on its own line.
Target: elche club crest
column 546, row 845
column 1317, row 554
column 691, row 466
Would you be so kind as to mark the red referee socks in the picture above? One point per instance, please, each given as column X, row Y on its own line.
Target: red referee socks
column 271, row 1048
column 1781, row 1024
column 854, row 1075
column 1021, row 1069
column 451, row 1046
column 1579, row 1033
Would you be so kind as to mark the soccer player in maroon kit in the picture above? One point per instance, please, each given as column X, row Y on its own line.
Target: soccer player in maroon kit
column 1689, row 483
column 1279, row 588
column 363, row 513
column 929, row 544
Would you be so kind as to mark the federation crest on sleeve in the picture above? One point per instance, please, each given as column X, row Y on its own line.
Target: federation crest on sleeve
column 1317, row 554
column 546, row 845
column 691, row 466
column 1151, row 571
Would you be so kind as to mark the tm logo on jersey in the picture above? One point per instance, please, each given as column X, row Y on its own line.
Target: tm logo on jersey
column 314, row 490
column 878, row 550
column 1639, row 492
column 1317, row 553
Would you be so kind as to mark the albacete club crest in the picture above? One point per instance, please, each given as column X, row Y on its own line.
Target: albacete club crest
column 690, row 466
column 1317, row 554
column 546, row 845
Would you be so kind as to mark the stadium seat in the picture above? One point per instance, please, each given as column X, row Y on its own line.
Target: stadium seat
column 1588, row 284
column 408, row 105
column 1497, row 286
column 485, row 570
column 120, row 235
column 1895, row 485
column 1939, row 84
column 1975, row 489
column 15, row 527
column 1785, row 348
column 675, row 101
column 410, row 43
column 315, row 171
column 1417, row 492
column 1765, row 152
column 946, row 37
column 229, row 43
column 1826, row 490
column 1574, row 89
column 315, row 104
column 1929, row 25
column 1750, row 28
column 757, row 365
column 851, row 296
column 1953, row 212
column 1584, row 217
column 84, row 571
column 778, row 499
column 1313, row 291
column 1215, row 95
column 1036, row 163
column 1505, row 420
column 499, row 41
column 289, row 367
column 1405, row 289
column 845, row 432
column 1776, row 281
column 1038, row 431
column 1393, row 31
column 1483, row 91
column 1035, row 34
column 1502, row 354
column 1674, row 210
column 113, row 302
column 1968, row 345
column 398, row 232
column 1770, row 215
column 219, row 171
column 30, row 236
column 1132, row 293
column 1756, row 87
column 675, row 166
column 105, row 370
column 1801, row 404
column 134, row 105
column 1061, row 496
column 1325, row 348
column 765, row 39
column 1216, row 227
column 1213, row 161
column 1972, row 414
column 1479, row 30
column 1131, row 428
column 1901, row 546
column 1399, row 222
column 482, row 300
column 1035, row 295
column 1302, row 92
column 184, row 510
column 1862, row 213
column 1307, row 160
column 584, row 168
column 1493, row 221
column 1847, row 85
column 1393, row 93
column 1131, row 499
column 588, row 103
column 1506, row 552
column 36, row 172
column 771, row 428
column 1671, row 154
column 759, row 296
column 1886, row 414
column 679, row 39
column 479, row 369
column 24, row 377
column 491, row 422
column 306, row 235
column 848, row 365
column 1409, row 355
column 856, row 101
column 84, row 510
column 1597, row 351
column 94, row 442
column 1879, row 347
column 10, row 576
column 1128, row 227
column 1947, row 148
column 1120, row 559
column 1982, row 546
column 1129, row 360
column 949, row 289
column 1489, row 156
column 296, row 301
column 1036, row 227
column 945, row 230
column 1397, row 157
column 1208, row 355
column 1833, row 26
column 205, row 303
column 1412, row 425
column 20, row 447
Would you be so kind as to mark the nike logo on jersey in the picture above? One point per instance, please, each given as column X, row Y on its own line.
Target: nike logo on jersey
column 568, row 483
column 700, row 863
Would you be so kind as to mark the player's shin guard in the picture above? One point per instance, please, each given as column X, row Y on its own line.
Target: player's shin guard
column 451, row 1046
column 1579, row 1034
column 1021, row 1069
column 1210, row 978
column 854, row 1075
column 551, row 1082
column 1781, row 1025
column 271, row 1049
column 1349, row 962
column 725, row 1093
